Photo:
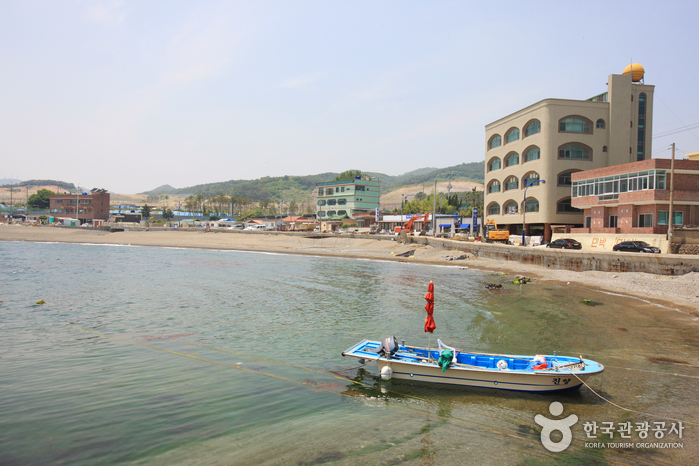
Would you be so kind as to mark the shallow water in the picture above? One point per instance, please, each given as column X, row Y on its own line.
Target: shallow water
column 181, row 356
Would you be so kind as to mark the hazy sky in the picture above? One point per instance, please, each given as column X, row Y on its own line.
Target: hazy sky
column 131, row 95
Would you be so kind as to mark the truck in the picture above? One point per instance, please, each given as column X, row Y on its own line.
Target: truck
column 494, row 234
column 408, row 227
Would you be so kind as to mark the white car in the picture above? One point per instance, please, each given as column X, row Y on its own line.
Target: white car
column 256, row 228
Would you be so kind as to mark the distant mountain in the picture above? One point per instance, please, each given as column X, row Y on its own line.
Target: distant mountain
column 299, row 188
column 9, row 181
column 164, row 189
column 61, row 184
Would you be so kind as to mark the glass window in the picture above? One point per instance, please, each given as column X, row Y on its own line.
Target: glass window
column 494, row 164
column 529, row 178
column 511, row 183
column 359, row 188
column 640, row 152
column 532, row 128
column 341, row 212
column 511, row 207
column 645, row 220
column 495, row 141
column 532, row 205
column 342, row 201
column 599, row 124
column 494, row 209
column 332, row 202
column 663, row 215
column 512, row 159
column 588, row 222
column 574, row 125
column 613, row 220
column 494, row 187
column 512, row 135
column 59, row 201
column 564, row 179
column 322, row 214
column 564, row 206
column 321, row 202
column 573, row 151
column 532, row 154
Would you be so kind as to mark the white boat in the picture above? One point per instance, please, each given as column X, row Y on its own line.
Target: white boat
column 540, row 373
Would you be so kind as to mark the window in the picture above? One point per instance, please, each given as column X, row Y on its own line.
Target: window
column 321, row 202
column 645, row 220
column 564, row 207
column 512, row 159
column 574, row 125
column 532, row 205
column 640, row 151
column 588, row 222
column 341, row 212
column 342, row 201
column 359, row 188
column 495, row 141
column 574, row 151
column 532, row 128
column 532, row 154
column 511, row 183
column 604, row 148
column 663, row 214
column 529, row 178
column 564, row 178
column 511, row 207
column 332, row 202
column 494, row 164
column 494, row 209
column 612, row 186
column 613, row 221
column 494, row 187
column 512, row 135
column 599, row 124
column 85, row 201
column 322, row 214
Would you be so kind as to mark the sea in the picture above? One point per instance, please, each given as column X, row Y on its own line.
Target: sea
column 166, row 356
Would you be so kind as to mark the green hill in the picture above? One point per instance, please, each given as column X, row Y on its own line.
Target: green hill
column 299, row 188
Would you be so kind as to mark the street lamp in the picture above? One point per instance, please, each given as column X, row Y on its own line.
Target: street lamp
column 527, row 185
column 179, row 214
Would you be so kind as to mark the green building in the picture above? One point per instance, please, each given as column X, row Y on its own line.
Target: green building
column 338, row 200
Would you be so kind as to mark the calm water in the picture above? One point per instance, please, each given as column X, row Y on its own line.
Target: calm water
column 179, row 356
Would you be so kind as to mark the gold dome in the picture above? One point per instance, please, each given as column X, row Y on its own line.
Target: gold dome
column 635, row 70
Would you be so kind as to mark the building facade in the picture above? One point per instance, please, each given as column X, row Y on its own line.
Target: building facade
column 554, row 138
column 635, row 197
column 85, row 207
column 337, row 200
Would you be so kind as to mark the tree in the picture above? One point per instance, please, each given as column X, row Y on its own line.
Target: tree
column 145, row 211
column 348, row 175
column 167, row 214
column 40, row 199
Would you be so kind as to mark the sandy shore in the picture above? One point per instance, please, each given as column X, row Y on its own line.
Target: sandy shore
column 680, row 292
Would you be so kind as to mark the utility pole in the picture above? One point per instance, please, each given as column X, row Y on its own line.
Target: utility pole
column 434, row 211
column 670, row 214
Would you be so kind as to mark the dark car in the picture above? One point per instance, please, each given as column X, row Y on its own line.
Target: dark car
column 564, row 243
column 635, row 246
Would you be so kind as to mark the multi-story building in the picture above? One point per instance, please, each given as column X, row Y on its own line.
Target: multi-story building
column 634, row 198
column 535, row 150
column 338, row 200
column 86, row 207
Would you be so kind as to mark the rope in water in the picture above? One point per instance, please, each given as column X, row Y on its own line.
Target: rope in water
column 627, row 409
column 458, row 421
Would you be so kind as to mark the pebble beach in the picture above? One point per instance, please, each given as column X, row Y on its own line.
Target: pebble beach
column 677, row 292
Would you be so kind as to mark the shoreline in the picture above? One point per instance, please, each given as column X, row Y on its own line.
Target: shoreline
column 683, row 289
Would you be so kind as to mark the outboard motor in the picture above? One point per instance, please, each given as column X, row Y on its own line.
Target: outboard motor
column 388, row 347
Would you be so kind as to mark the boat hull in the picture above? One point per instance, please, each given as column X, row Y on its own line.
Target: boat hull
column 501, row 380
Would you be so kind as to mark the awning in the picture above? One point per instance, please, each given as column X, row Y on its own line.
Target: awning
column 465, row 225
column 445, row 225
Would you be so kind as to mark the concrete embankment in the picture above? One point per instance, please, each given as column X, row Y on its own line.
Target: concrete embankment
column 661, row 264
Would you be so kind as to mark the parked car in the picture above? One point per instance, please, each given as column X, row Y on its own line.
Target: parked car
column 237, row 226
column 635, row 246
column 257, row 227
column 564, row 243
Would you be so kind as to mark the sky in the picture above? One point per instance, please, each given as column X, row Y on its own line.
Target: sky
column 131, row 95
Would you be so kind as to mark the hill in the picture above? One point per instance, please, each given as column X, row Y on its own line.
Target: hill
column 299, row 188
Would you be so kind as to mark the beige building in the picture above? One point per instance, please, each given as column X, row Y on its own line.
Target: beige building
column 553, row 138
